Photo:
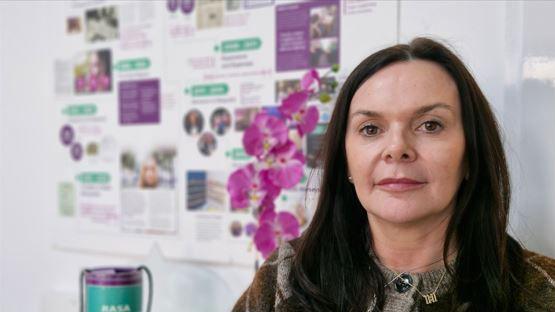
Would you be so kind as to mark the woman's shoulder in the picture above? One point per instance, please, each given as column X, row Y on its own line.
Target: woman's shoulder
column 540, row 268
column 539, row 281
column 270, row 286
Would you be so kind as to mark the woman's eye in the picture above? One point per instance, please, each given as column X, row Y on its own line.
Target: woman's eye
column 370, row 130
column 431, row 126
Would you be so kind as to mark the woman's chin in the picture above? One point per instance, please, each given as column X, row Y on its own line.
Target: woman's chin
column 398, row 215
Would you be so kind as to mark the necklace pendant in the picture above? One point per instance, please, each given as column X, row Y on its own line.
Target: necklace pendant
column 430, row 298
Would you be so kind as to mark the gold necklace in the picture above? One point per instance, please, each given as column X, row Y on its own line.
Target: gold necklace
column 422, row 266
column 429, row 298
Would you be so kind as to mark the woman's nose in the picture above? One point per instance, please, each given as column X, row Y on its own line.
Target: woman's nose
column 398, row 148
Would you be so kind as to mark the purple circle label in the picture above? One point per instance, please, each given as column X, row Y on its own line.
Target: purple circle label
column 172, row 5
column 66, row 135
column 187, row 6
column 76, row 151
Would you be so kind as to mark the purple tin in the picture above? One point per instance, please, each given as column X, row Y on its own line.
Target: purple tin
column 113, row 289
column 117, row 276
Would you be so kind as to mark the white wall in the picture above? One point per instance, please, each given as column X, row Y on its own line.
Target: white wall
column 475, row 29
column 24, row 249
column 496, row 39
column 1, row 170
column 534, row 154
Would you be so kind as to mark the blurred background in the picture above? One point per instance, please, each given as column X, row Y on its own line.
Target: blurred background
column 120, row 122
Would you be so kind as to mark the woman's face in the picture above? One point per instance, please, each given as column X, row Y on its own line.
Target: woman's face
column 405, row 143
column 150, row 173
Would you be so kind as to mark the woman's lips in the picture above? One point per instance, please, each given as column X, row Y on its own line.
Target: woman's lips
column 399, row 185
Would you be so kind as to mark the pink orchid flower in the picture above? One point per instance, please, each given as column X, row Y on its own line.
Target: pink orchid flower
column 295, row 107
column 285, row 165
column 278, row 165
column 263, row 134
column 275, row 228
column 249, row 187
column 310, row 81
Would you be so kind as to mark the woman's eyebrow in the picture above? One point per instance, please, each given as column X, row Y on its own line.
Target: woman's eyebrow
column 420, row 111
column 425, row 109
column 367, row 113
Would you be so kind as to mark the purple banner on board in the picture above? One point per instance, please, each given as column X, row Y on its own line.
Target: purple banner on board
column 139, row 102
column 307, row 35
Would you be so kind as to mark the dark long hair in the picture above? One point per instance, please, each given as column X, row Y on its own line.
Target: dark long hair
column 332, row 269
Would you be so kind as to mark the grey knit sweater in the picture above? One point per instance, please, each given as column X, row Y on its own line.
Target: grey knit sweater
column 426, row 283
column 270, row 290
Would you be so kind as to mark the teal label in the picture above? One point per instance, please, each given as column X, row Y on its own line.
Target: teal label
column 94, row 178
column 80, row 110
column 239, row 45
column 237, row 154
column 208, row 90
column 114, row 298
column 133, row 64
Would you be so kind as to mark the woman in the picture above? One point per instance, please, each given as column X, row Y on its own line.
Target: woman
column 193, row 122
column 414, row 202
column 149, row 174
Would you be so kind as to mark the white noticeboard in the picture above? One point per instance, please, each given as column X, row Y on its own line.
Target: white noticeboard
column 154, row 98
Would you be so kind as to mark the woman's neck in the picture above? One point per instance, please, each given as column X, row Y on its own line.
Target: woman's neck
column 411, row 248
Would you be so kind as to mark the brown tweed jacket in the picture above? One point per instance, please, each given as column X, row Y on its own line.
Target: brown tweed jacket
column 270, row 291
